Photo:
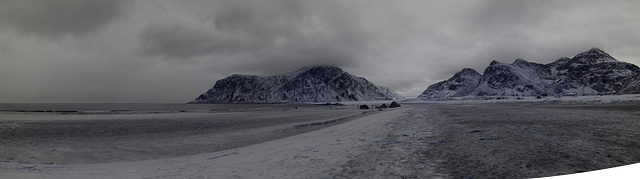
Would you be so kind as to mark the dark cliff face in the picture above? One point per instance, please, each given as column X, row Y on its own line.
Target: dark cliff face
column 309, row 84
column 593, row 72
column 500, row 76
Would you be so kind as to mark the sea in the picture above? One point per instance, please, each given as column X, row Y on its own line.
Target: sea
column 123, row 107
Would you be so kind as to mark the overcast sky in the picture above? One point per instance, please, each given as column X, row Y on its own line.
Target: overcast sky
column 172, row 51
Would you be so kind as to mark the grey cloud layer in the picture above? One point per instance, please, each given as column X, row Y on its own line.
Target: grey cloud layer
column 177, row 41
column 278, row 35
column 171, row 51
column 59, row 17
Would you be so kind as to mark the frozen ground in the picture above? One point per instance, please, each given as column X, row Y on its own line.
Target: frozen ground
column 421, row 140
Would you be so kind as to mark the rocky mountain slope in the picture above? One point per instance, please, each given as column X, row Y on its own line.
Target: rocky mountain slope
column 593, row 72
column 309, row 84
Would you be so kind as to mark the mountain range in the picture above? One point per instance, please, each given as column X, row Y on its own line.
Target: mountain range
column 593, row 72
column 309, row 84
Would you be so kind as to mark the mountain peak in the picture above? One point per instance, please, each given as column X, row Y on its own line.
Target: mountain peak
column 458, row 85
column 313, row 68
column 322, row 72
column 596, row 50
column 308, row 84
column 593, row 53
column 240, row 75
column 519, row 60
column 323, row 68
column 468, row 71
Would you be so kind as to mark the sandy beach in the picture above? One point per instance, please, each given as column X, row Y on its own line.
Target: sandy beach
column 428, row 140
column 317, row 153
column 98, row 137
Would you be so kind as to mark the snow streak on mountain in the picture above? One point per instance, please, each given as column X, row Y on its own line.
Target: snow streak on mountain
column 593, row 72
column 309, row 84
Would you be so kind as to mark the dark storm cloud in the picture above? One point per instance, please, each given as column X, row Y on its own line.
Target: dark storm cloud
column 177, row 41
column 260, row 19
column 171, row 51
column 238, row 26
column 260, row 36
column 494, row 16
column 538, row 31
column 56, row 18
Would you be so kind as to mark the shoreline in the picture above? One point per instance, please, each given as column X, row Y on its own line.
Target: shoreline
column 97, row 138
column 306, row 154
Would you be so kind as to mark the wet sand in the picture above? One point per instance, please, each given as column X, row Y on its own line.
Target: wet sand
column 306, row 155
column 61, row 138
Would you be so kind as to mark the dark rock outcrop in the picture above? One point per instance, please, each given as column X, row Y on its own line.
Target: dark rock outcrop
column 394, row 105
column 383, row 106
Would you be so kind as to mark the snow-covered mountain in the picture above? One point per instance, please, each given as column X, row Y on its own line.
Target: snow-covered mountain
column 461, row 84
column 593, row 72
column 309, row 84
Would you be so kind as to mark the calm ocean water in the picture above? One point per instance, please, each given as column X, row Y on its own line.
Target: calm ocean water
column 115, row 107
